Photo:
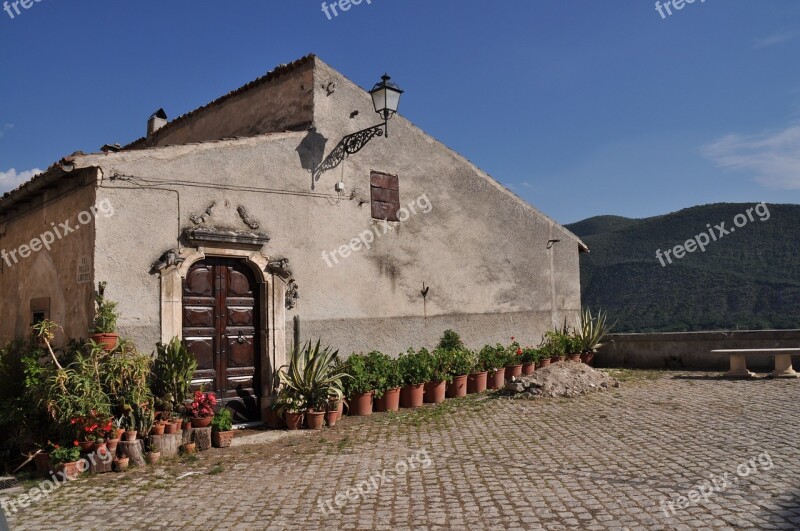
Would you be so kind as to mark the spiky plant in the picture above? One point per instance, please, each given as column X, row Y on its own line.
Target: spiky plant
column 312, row 373
column 592, row 329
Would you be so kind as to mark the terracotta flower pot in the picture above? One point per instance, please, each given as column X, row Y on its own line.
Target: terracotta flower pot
column 184, row 425
column 528, row 368
column 513, row 371
column 171, row 428
column 544, row 363
column 100, row 447
column 189, row 448
column 556, row 359
column 575, row 358
column 152, row 457
column 112, row 446
column 331, row 417
column 201, row 422
column 120, row 433
column 434, row 392
column 476, row 382
column 107, row 341
column 294, row 421
column 588, row 358
column 361, row 405
column 390, row 401
column 121, row 464
column 315, row 420
column 412, row 395
column 70, row 470
column 158, row 429
column 86, row 446
column 340, row 410
column 496, row 379
column 272, row 420
column 130, row 436
column 222, row 439
column 43, row 464
column 458, row 387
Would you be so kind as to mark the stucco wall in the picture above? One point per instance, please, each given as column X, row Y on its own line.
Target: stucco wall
column 273, row 104
column 481, row 250
column 49, row 273
column 692, row 350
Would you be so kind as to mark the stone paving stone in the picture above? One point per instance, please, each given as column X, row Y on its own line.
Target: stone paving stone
column 613, row 460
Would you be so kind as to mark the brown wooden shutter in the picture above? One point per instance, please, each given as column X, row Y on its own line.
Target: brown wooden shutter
column 385, row 196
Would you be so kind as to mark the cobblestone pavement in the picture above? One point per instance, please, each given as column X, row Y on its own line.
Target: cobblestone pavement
column 614, row 460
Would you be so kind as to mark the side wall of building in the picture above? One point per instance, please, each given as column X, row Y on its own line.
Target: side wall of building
column 57, row 281
column 479, row 251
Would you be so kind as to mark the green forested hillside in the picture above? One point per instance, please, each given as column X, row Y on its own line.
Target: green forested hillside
column 748, row 279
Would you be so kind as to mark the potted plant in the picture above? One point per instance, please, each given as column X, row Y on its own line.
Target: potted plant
column 460, row 363
column 121, row 464
column 554, row 343
column 171, row 379
column 573, row 348
column 293, row 406
column 201, row 410
column 104, row 326
column 386, row 380
column 476, row 381
column 66, row 460
column 529, row 357
column 493, row 360
column 438, row 376
column 118, row 427
column 273, row 417
column 332, row 413
column 189, row 448
column 359, row 386
column 222, row 428
column 415, row 371
column 591, row 330
column 513, row 360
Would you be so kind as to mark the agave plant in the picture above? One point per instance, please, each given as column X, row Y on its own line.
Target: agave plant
column 312, row 373
column 592, row 329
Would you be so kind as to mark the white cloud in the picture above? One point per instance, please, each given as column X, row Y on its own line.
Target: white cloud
column 774, row 158
column 526, row 184
column 11, row 179
column 776, row 38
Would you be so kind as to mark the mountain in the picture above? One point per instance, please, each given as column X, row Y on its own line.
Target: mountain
column 747, row 279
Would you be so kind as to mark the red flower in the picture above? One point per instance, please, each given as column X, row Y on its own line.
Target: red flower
column 75, row 442
column 512, row 338
column 519, row 352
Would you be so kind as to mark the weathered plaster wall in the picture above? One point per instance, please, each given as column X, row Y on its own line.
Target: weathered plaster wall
column 50, row 273
column 274, row 105
column 481, row 250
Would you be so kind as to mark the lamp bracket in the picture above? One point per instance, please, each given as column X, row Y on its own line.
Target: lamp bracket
column 349, row 145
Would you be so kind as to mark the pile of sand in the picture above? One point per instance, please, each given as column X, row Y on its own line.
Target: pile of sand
column 560, row 379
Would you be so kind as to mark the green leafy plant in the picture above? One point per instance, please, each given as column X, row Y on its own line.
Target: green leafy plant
column 439, row 365
column 313, row 373
column 171, row 379
column 461, row 361
column 106, row 314
column 384, row 372
column 223, row 420
column 125, row 379
column 591, row 330
column 415, row 367
column 360, row 375
column 530, row 355
column 289, row 401
column 450, row 341
column 66, row 454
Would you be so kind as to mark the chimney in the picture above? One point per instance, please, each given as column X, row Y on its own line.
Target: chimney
column 156, row 122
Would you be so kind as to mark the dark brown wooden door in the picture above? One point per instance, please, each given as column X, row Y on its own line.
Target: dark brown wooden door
column 220, row 327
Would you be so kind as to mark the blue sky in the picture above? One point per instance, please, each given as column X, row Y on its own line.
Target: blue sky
column 582, row 108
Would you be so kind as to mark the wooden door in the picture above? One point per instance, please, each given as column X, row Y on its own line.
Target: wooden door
column 220, row 327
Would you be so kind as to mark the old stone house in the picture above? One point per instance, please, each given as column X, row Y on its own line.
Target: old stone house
column 223, row 224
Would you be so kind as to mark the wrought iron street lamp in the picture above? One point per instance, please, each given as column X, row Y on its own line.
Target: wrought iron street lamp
column 386, row 99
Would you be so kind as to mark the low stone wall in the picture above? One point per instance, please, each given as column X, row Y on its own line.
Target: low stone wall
column 692, row 350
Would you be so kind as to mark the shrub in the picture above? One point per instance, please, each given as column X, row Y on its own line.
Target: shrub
column 461, row 361
column 105, row 315
column 384, row 373
column 360, row 378
column 492, row 357
column 530, row 355
column 223, row 420
column 450, row 341
column 60, row 455
column 438, row 365
column 415, row 367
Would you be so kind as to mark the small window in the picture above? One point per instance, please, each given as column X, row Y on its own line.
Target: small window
column 385, row 196
column 40, row 310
